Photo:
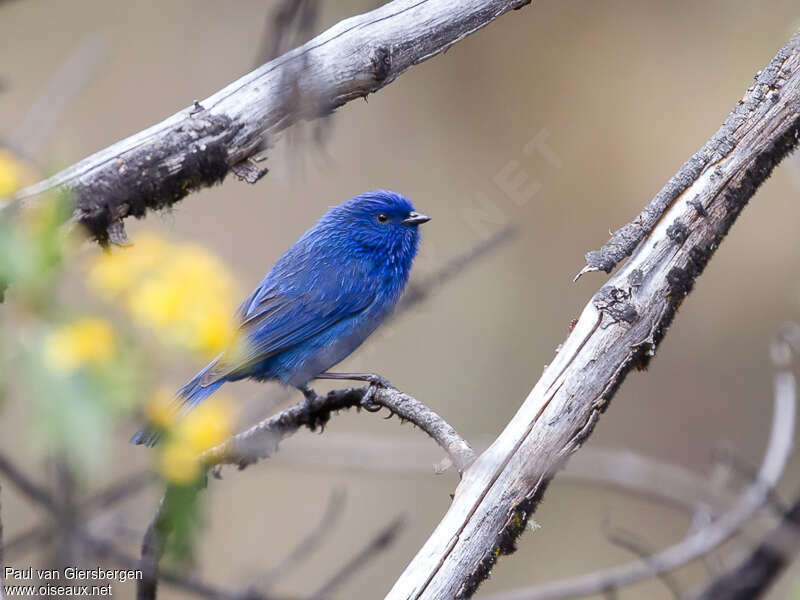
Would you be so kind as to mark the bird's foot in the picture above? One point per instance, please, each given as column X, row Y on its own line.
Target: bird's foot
column 375, row 382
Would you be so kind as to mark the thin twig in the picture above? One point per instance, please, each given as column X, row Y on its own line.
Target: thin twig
column 43, row 115
column 63, row 552
column 261, row 440
column 376, row 545
column 41, row 533
column 416, row 292
column 153, row 546
column 753, row 575
column 106, row 549
column 32, row 490
column 333, row 511
column 633, row 544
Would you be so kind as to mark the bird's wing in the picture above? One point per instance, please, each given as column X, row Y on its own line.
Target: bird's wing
column 274, row 317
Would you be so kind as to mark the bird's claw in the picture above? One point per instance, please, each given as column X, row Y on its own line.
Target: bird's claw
column 367, row 401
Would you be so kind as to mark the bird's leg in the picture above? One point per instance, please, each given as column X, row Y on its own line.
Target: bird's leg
column 375, row 381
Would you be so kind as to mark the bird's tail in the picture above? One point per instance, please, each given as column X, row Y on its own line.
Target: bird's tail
column 189, row 396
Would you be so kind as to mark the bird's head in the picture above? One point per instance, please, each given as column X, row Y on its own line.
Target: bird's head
column 382, row 223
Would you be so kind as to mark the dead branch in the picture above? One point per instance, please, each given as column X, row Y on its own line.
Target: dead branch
column 198, row 146
column 619, row 329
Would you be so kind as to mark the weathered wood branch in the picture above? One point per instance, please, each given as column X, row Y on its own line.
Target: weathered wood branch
column 619, row 330
column 199, row 145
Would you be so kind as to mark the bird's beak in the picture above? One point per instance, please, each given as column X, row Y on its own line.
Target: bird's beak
column 415, row 218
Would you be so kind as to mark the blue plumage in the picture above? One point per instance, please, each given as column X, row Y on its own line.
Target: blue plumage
column 321, row 300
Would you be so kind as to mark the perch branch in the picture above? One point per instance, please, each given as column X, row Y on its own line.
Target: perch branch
column 199, row 145
column 261, row 440
column 619, row 329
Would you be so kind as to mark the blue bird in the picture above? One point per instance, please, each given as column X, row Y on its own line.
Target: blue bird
column 320, row 301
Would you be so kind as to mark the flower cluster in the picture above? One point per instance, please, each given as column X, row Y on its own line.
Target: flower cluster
column 85, row 341
column 180, row 291
column 187, row 437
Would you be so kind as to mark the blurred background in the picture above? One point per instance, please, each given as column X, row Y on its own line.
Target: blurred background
column 619, row 93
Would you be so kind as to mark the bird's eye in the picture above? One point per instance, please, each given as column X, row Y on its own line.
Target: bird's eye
column 382, row 218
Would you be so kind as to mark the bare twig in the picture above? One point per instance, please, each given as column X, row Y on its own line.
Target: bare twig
column 64, row 551
column 333, row 511
column 757, row 571
column 153, row 546
column 700, row 542
column 25, row 485
column 198, row 146
column 41, row 533
column 261, row 440
column 376, row 545
column 417, row 292
column 43, row 115
column 754, row 574
column 105, row 549
column 633, row 544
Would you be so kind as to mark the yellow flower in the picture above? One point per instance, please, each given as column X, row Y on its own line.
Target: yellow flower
column 88, row 340
column 117, row 270
column 206, row 426
column 12, row 173
column 179, row 463
column 159, row 408
column 181, row 291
